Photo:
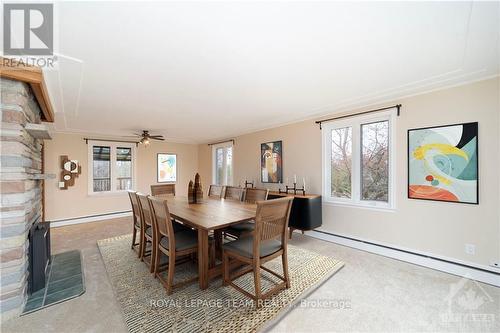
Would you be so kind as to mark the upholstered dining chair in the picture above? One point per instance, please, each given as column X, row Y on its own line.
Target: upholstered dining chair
column 147, row 230
column 163, row 189
column 268, row 241
column 234, row 193
column 137, row 220
column 169, row 242
column 215, row 191
column 252, row 195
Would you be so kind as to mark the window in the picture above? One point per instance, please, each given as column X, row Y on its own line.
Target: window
column 358, row 157
column 111, row 167
column 222, row 164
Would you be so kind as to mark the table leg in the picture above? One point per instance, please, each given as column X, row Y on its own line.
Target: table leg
column 203, row 258
column 218, row 243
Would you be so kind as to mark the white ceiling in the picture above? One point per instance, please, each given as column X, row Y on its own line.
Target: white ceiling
column 198, row 72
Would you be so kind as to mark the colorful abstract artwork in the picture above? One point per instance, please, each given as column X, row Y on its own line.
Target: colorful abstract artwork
column 167, row 168
column 271, row 163
column 443, row 163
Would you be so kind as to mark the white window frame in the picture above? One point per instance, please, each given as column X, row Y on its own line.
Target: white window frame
column 113, row 146
column 214, row 162
column 355, row 123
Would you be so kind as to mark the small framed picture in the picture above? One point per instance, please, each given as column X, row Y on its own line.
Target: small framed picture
column 166, row 168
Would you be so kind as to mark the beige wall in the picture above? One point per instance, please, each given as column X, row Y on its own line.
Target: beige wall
column 76, row 202
column 438, row 228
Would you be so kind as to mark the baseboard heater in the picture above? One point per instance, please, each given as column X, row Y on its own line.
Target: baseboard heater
column 410, row 252
column 92, row 216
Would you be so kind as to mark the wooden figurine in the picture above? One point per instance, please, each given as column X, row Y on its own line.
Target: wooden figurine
column 191, row 193
column 197, row 188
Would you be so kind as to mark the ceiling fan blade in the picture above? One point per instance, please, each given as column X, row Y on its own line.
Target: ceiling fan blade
column 161, row 139
column 156, row 136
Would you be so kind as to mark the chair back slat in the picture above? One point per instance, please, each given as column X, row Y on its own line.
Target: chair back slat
column 252, row 195
column 136, row 211
column 215, row 191
column 234, row 193
column 147, row 216
column 163, row 189
column 161, row 217
column 272, row 218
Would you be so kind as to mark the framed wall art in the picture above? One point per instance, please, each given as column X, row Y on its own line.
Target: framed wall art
column 166, row 168
column 271, row 162
column 443, row 163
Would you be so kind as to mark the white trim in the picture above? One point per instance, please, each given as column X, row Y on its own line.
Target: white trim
column 90, row 172
column 228, row 144
column 480, row 273
column 355, row 124
column 87, row 219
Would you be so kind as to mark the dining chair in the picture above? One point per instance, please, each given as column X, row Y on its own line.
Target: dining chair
column 268, row 241
column 163, row 189
column 137, row 221
column 234, row 193
column 252, row 195
column 147, row 235
column 215, row 191
column 169, row 242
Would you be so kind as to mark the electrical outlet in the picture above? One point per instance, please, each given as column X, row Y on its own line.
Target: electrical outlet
column 470, row 249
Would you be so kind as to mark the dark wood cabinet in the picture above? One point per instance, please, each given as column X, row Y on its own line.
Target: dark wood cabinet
column 306, row 211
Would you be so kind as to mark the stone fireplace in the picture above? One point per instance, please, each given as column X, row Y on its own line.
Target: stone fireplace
column 21, row 180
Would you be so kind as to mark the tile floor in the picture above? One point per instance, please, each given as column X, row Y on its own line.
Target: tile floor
column 65, row 280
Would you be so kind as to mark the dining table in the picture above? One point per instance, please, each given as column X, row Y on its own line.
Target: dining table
column 206, row 216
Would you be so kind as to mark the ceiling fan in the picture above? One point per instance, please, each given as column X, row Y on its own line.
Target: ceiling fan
column 146, row 137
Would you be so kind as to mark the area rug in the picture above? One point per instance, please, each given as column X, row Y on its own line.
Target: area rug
column 147, row 308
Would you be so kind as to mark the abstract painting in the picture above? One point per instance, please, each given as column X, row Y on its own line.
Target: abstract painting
column 271, row 163
column 167, row 168
column 443, row 163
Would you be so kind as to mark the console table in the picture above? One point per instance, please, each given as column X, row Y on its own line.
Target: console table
column 306, row 211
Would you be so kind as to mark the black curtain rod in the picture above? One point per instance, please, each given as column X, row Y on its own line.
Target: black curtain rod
column 397, row 106
column 103, row 140
column 216, row 143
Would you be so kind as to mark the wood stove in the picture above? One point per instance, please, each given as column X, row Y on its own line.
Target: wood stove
column 39, row 256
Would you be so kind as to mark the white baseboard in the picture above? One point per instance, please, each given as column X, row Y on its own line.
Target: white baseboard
column 479, row 274
column 86, row 219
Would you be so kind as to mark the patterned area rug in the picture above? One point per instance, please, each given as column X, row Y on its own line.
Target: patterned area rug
column 147, row 308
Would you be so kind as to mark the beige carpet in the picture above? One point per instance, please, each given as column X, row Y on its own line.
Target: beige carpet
column 147, row 308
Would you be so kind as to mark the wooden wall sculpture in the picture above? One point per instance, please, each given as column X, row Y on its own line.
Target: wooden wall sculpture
column 70, row 170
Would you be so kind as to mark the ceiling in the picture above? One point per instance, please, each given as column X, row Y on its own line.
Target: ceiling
column 199, row 72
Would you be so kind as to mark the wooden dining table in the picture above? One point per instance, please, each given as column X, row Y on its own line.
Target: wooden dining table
column 206, row 216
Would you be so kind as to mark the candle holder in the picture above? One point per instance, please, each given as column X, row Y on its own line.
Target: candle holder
column 248, row 183
column 293, row 189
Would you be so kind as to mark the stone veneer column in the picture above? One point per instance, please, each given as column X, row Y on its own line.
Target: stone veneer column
column 21, row 193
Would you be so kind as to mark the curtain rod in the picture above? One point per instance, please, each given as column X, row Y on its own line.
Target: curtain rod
column 103, row 140
column 216, row 143
column 397, row 106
